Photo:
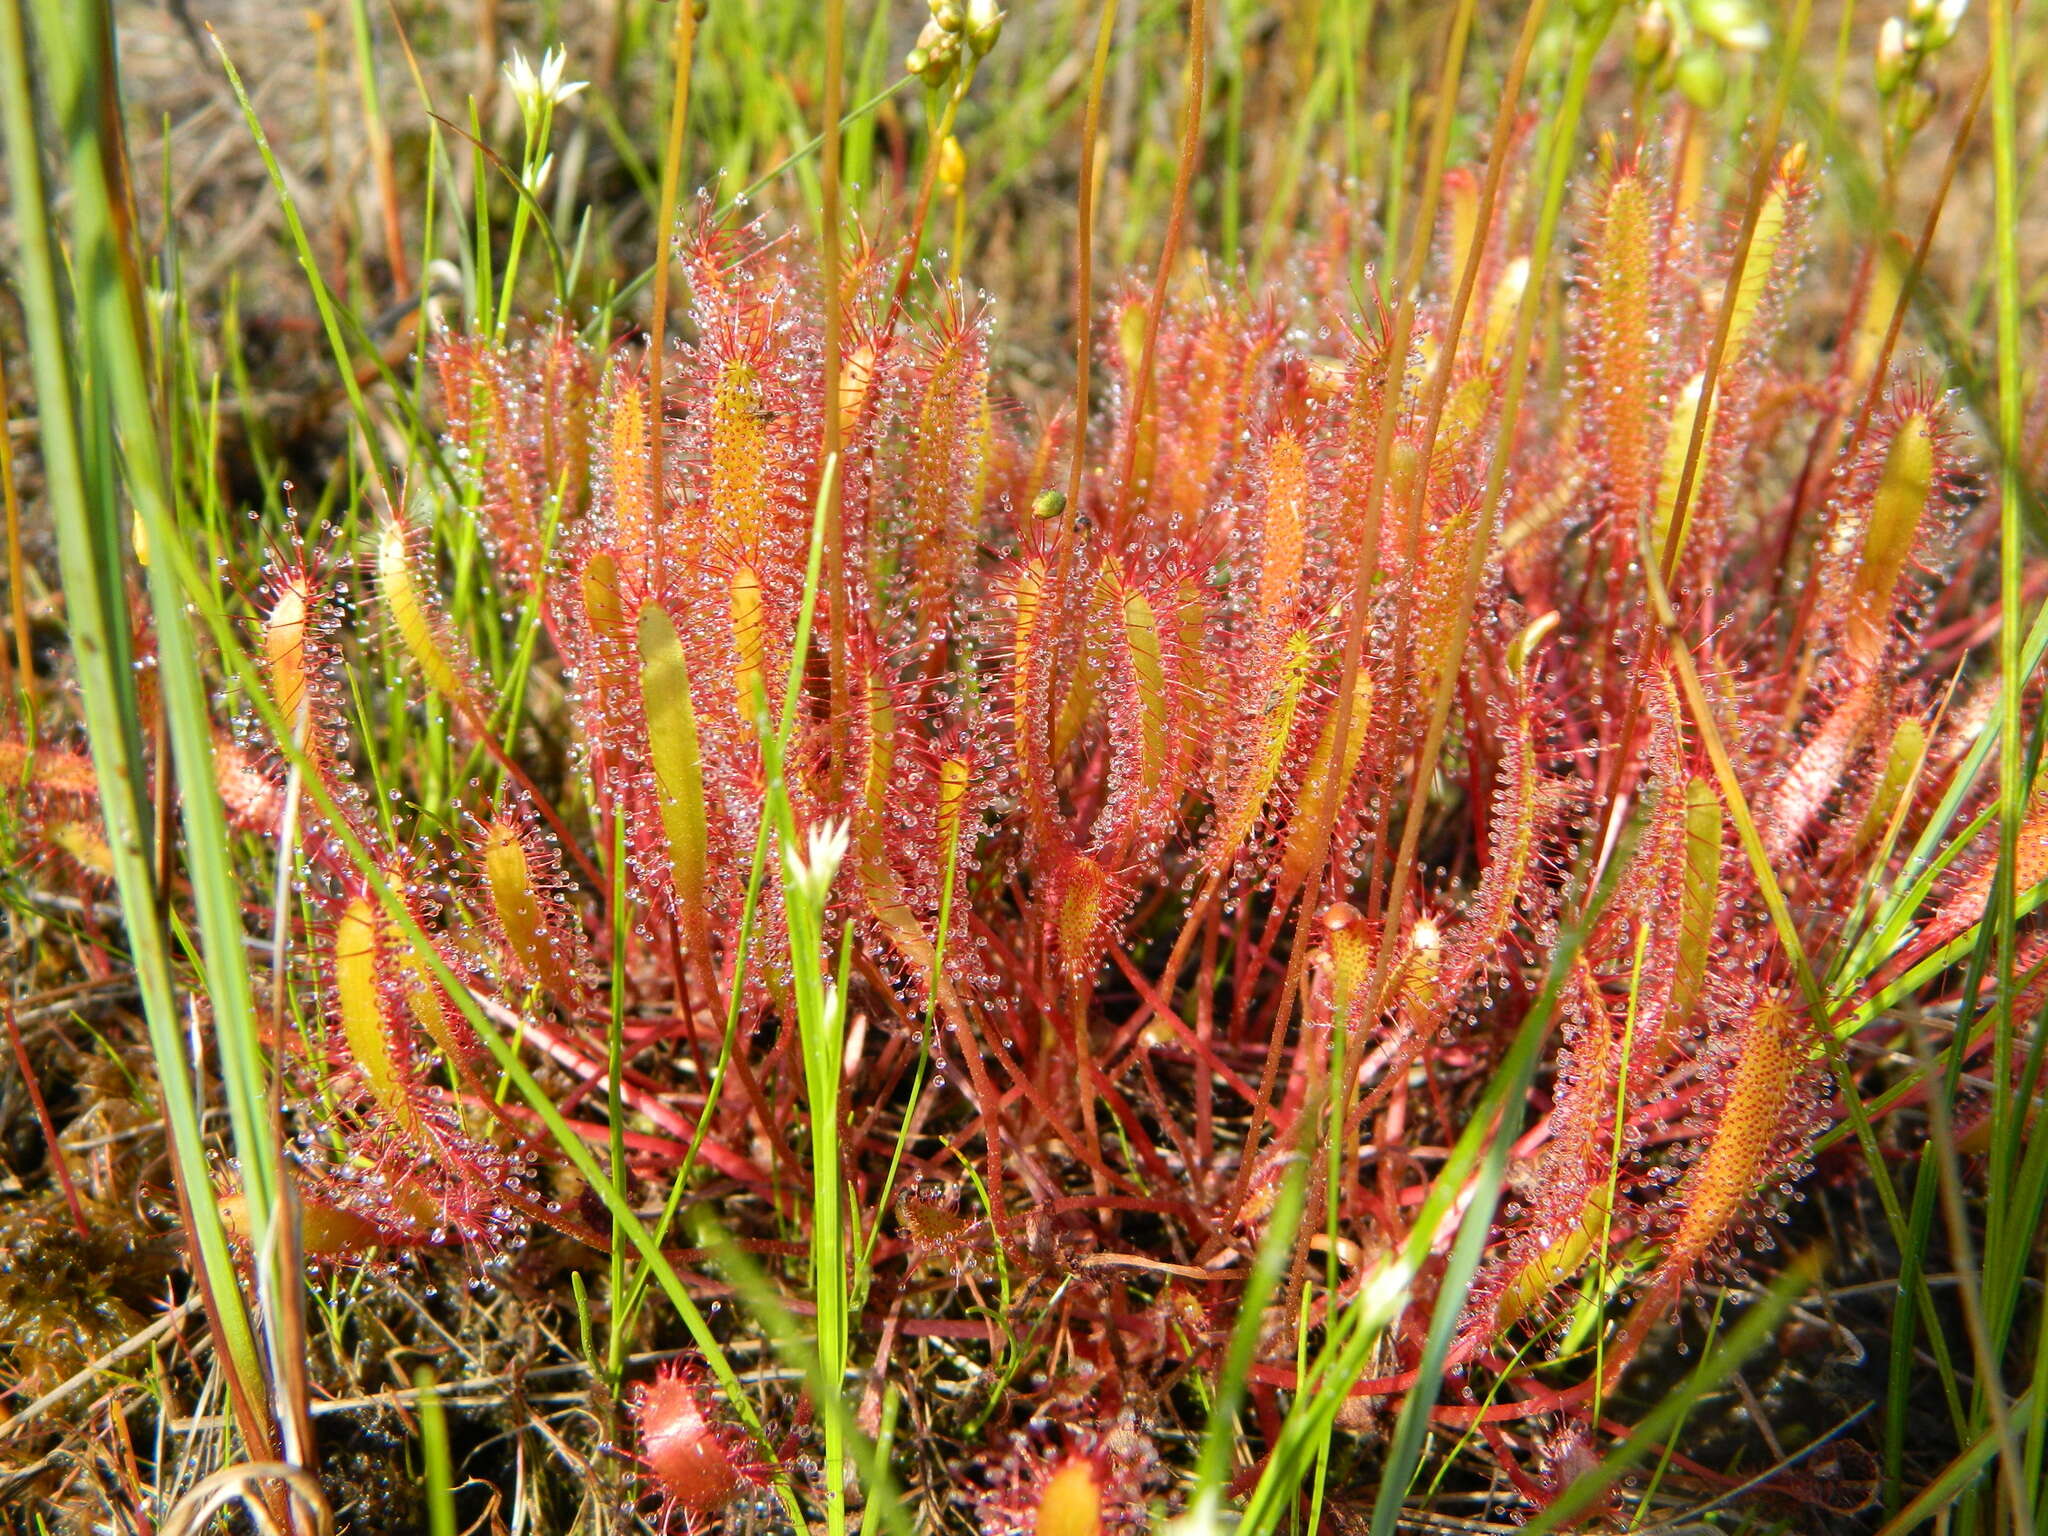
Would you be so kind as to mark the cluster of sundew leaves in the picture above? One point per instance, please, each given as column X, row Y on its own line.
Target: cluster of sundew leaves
column 1107, row 728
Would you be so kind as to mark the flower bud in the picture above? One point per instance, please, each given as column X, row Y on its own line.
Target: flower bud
column 1916, row 106
column 948, row 15
column 1734, row 24
column 1653, row 35
column 933, row 58
column 1893, row 56
column 1702, row 79
column 984, row 25
column 952, row 166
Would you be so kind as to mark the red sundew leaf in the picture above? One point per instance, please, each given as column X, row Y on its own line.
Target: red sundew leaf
column 521, row 874
column 497, row 427
column 47, row 771
column 1962, row 902
column 1527, row 808
column 627, row 492
column 1071, row 1481
column 251, row 797
column 412, row 603
column 1820, row 768
column 1766, row 1094
column 695, row 1459
column 1888, row 514
column 1620, row 280
column 942, row 459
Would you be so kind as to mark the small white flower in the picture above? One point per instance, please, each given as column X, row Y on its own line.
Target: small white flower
column 534, row 89
column 813, row 873
column 524, row 82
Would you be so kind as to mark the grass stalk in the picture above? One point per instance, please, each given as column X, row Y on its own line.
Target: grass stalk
column 1970, row 1294
column 807, row 876
column 1195, row 85
column 378, row 144
column 829, row 246
column 323, row 297
column 440, row 1471
column 1084, row 280
column 1467, row 1249
column 667, row 216
column 87, row 497
column 1474, row 1171
column 2006, row 1250
column 22, row 676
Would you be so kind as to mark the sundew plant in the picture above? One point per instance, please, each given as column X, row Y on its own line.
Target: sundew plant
column 1366, row 863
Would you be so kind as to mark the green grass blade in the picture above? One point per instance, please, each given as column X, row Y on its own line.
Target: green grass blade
column 86, row 498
